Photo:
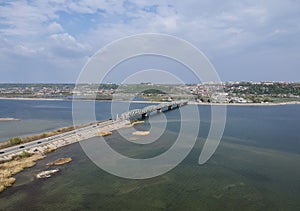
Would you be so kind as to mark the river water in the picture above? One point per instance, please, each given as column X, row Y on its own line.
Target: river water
column 256, row 166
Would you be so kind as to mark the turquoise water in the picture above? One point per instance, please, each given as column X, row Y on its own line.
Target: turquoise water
column 256, row 167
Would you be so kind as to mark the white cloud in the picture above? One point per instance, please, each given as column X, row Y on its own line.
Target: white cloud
column 88, row 6
column 23, row 19
column 65, row 45
column 222, row 29
column 55, row 27
column 63, row 38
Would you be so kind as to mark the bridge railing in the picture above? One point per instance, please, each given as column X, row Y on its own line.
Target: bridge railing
column 136, row 112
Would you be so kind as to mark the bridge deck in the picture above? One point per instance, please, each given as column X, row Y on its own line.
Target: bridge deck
column 148, row 109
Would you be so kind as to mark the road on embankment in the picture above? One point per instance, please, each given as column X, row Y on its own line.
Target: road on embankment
column 62, row 139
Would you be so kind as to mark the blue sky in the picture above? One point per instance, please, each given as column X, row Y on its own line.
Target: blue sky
column 50, row 41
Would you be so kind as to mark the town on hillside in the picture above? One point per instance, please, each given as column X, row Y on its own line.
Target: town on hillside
column 209, row 92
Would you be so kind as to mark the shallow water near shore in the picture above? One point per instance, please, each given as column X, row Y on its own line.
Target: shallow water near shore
column 254, row 168
column 37, row 116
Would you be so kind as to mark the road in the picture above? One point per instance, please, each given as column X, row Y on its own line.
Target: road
column 92, row 130
column 63, row 138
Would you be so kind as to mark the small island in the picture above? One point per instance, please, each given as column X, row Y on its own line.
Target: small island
column 104, row 133
column 8, row 119
column 59, row 161
column 141, row 133
column 46, row 174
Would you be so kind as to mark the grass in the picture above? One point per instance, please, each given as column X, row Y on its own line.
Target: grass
column 18, row 140
column 12, row 167
column 284, row 100
column 60, row 161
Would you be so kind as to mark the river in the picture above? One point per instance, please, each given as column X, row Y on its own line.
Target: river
column 256, row 166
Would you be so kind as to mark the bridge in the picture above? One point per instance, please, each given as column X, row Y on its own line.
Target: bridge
column 147, row 110
column 83, row 133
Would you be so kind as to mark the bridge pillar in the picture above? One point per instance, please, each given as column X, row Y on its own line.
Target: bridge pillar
column 170, row 107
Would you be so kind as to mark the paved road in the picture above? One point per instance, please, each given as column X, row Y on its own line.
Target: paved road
column 83, row 133
column 79, row 134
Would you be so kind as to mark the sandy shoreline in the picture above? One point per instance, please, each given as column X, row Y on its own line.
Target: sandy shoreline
column 8, row 119
column 247, row 104
column 152, row 102
column 28, row 98
column 65, row 99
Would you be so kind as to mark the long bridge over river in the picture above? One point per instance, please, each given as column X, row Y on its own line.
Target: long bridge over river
column 147, row 110
column 92, row 130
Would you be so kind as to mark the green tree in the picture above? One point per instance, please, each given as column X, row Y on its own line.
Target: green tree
column 25, row 154
column 15, row 141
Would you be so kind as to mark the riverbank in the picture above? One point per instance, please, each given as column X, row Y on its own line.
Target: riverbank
column 246, row 104
column 29, row 98
column 70, row 99
column 154, row 102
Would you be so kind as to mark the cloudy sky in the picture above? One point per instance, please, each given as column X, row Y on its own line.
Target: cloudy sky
column 50, row 41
